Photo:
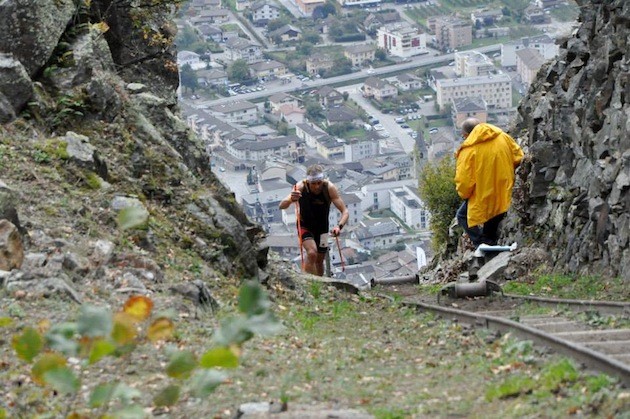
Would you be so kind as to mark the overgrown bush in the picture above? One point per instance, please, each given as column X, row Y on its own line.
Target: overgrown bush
column 437, row 190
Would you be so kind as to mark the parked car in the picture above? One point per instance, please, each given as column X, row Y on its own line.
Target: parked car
column 404, row 126
column 433, row 131
column 400, row 120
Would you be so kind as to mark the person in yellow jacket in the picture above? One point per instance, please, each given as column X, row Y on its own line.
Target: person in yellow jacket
column 484, row 178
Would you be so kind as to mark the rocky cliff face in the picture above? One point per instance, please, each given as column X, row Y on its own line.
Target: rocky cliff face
column 572, row 196
column 91, row 129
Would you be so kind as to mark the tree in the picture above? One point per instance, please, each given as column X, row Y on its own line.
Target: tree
column 186, row 37
column 238, row 71
column 437, row 190
column 188, row 78
column 380, row 54
column 314, row 111
column 274, row 24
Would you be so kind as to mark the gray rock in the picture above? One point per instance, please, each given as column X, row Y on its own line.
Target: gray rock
column 11, row 247
column 31, row 29
column 16, row 87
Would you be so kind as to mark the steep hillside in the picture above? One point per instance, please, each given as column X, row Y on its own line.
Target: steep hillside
column 573, row 196
column 91, row 128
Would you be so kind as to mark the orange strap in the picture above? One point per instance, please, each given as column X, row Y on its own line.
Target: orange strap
column 299, row 229
column 343, row 268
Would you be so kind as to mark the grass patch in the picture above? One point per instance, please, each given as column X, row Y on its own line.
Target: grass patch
column 565, row 286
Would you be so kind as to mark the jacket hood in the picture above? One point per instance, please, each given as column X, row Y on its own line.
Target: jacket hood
column 481, row 133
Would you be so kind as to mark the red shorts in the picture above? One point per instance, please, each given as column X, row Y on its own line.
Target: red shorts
column 306, row 234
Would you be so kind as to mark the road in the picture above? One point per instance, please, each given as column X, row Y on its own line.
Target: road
column 413, row 64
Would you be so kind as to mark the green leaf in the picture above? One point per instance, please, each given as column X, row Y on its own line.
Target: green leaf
column 94, row 321
column 49, row 361
column 102, row 394
column 100, row 349
column 130, row 412
column 125, row 394
column 219, row 357
column 204, row 382
column 131, row 217
column 60, row 338
column 265, row 324
column 28, row 345
column 181, row 365
column 63, row 380
column 233, row 330
column 167, row 397
column 4, row 322
column 251, row 299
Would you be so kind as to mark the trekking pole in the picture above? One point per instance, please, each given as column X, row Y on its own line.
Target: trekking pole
column 343, row 268
column 299, row 229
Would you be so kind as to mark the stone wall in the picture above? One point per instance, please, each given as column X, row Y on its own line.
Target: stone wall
column 572, row 194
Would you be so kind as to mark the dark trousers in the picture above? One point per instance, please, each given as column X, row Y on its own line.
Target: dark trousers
column 488, row 234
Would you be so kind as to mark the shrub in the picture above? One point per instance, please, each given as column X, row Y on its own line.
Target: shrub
column 437, row 190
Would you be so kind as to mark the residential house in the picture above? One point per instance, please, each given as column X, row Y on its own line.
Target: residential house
column 285, row 33
column 486, row 17
column 268, row 70
column 385, row 172
column 376, row 20
column 280, row 99
column 496, row 90
column 472, row 64
column 544, row 44
column 309, row 133
column 263, row 207
column 341, row 114
column 528, row 62
column 199, row 5
column 534, row 15
column 264, row 11
column 329, row 97
column 408, row 82
column 468, row 107
column 292, row 114
column 451, row 32
column 378, row 89
column 211, row 16
column 307, row 7
column 188, row 57
column 243, row 49
column 290, row 148
column 549, row 4
column 330, row 147
column 318, row 63
column 353, row 203
column 408, row 206
column 211, row 33
column 360, row 54
column 212, row 77
column 402, row 40
column 238, row 111
column 242, row 5
column 379, row 233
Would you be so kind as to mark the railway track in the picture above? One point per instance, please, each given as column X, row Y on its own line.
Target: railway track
column 598, row 347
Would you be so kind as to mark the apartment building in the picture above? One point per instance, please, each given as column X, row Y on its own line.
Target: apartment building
column 290, row 148
column 378, row 89
column 473, row 64
column 402, row 40
column 307, row 7
column 496, row 90
column 360, row 54
column 544, row 44
column 263, row 12
column 450, row 32
column 528, row 62
column 243, row 49
column 408, row 206
column 361, row 149
column 468, row 107
column 318, row 62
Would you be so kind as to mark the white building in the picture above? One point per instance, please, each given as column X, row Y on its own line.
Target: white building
column 359, row 150
column 544, row 44
column 375, row 196
column 408, row 206
column 528, row 62
column 473, row 64
column 496, row 90
column 239, row 111
column 402, row 40
column 359, row 3
column 188, row 57
column 263, row 12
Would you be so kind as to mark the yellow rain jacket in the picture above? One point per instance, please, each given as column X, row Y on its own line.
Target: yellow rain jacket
column 485, row 172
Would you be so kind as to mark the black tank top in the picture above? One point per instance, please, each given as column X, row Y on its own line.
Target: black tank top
column 314, row 209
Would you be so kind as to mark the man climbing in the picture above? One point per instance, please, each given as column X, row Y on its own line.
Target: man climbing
column 314, row 195
column 484, row 178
